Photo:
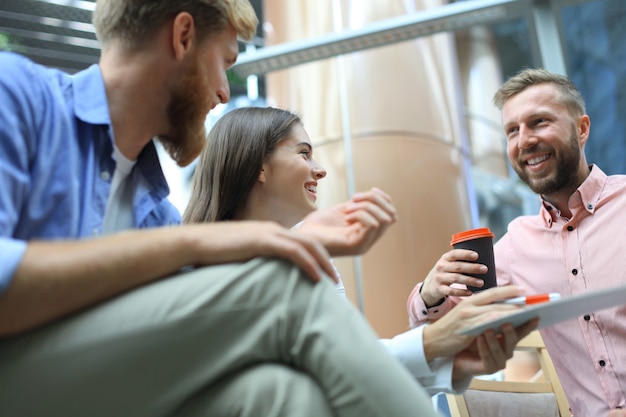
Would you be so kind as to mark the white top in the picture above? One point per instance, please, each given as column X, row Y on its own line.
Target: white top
column 119, row 212
column 435, row 376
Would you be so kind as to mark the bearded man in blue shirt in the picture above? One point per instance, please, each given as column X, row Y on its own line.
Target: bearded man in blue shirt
column 89, row 325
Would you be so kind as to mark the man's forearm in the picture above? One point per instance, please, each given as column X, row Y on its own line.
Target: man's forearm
column 58, row 278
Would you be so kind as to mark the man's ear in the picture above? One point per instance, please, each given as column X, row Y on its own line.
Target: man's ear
column 583, row 126
column 262, row 177
column 183, row 34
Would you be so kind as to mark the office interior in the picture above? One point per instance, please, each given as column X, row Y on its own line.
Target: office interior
column 395, row 94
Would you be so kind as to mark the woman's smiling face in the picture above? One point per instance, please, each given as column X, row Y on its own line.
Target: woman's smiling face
column 289, row 177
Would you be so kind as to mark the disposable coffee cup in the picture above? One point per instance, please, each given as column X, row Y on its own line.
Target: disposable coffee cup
column 479, row 240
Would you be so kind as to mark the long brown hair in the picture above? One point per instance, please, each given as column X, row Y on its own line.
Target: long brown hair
column 230, row 164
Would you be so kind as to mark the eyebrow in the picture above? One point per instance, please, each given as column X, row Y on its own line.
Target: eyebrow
column 307, row 144
column 531, row 116
column 508, row 125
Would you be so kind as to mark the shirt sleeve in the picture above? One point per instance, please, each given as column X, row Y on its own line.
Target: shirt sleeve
column 420, row 314
column 435, row 376
column 341, row 289
column 11, row 253
column 16, row 121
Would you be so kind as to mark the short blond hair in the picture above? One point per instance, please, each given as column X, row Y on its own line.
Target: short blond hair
column 569, row 95
column 133, row 22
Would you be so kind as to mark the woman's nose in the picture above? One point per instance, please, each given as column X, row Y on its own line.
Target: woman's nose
column 318, row 171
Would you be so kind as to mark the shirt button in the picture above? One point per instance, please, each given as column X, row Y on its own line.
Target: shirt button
column 105, row 175
column 570, row 228
column 590, row 206
column 424, row 312
column 574, row 271
column 602, row 363
column 587, row 317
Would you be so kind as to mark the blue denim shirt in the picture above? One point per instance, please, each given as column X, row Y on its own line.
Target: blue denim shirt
column 56, row 143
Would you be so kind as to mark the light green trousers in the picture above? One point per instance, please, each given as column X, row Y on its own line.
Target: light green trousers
column 253, row 339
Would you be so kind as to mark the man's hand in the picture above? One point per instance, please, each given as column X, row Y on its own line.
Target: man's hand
column 490, row 352
column 351, row 228
column 486, row 353
column 442, row 338
column 225, row 242
column 450, row 269
column 618, row 412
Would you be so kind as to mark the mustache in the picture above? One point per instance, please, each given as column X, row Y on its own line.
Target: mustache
column 538, row 148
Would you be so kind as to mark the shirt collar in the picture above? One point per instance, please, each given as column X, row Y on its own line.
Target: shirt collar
column 586, row 196
column 91, row 106
column 90, row 99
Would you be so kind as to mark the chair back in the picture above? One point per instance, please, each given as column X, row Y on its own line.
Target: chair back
column 543, row 396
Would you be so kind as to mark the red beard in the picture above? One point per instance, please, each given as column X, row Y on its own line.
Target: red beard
column 187, row 110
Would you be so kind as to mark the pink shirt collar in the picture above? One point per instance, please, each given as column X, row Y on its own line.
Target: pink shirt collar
column 585, row 197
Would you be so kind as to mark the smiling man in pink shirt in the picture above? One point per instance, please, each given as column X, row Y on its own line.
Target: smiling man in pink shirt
column 575, row 244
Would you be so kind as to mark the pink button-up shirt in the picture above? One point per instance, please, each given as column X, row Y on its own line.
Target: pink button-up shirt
column 547, row 253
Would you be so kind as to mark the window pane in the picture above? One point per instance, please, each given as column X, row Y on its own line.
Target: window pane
column 595, row 47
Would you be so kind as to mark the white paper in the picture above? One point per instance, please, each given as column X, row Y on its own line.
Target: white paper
column 552, row 312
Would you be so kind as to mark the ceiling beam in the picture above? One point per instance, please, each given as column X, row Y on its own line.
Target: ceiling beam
column 450, row 17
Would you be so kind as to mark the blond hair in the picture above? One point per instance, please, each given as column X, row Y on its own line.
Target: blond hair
column 569, row 95
column 132, row 22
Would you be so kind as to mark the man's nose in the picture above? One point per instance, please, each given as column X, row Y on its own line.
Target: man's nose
column 223, row 93
column 526, row 138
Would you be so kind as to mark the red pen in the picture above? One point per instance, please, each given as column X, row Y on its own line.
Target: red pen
column 533, row 299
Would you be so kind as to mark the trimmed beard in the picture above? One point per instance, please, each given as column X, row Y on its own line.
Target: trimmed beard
column 565, row 175
column 187, row 111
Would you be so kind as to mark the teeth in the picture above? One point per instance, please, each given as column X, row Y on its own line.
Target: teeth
column 537, row 160
column 311, row 188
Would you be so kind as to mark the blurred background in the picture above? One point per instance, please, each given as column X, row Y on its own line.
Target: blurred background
column 394, row 94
